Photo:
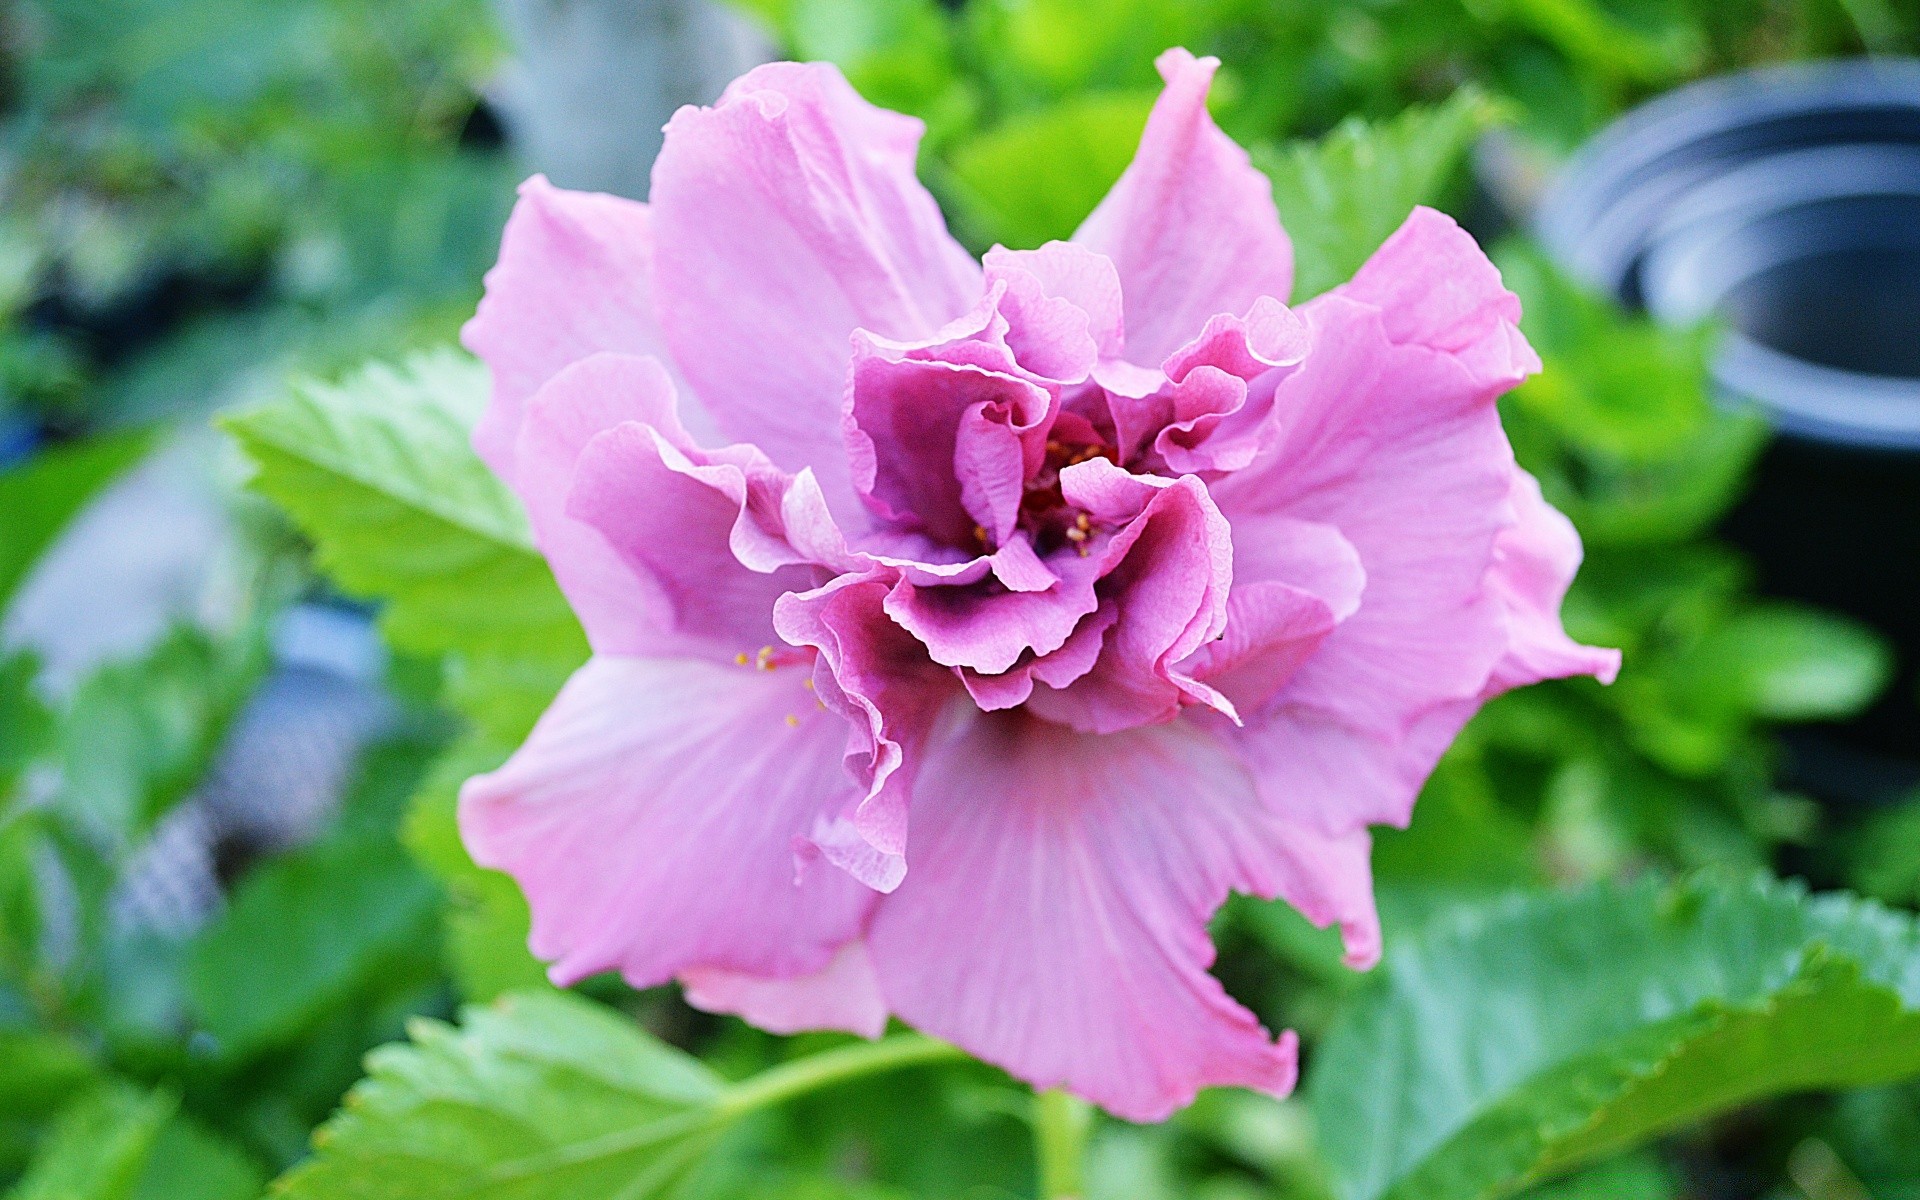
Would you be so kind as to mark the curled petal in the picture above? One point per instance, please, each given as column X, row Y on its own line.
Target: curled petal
column 650, row 819
column 872, row 673
column 703, row 526
column 1063, row 304
column 843, row 995
column 1534, row 562
column 788, row 216
column 1055, row 919
column 1190, row 225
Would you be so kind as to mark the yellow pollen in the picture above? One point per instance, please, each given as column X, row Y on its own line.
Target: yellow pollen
column 764, row 658
column 1082, row 523
column 741, row 658
column 807, row 684
column 793, row 720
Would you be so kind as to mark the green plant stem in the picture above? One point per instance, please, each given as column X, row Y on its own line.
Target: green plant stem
column 1061, row 1124
column 790, row 1079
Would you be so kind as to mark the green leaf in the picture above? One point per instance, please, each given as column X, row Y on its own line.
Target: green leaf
column 139, row 736
column 546, row 1096
column 40, row 1071
column 1037, row 177
column 377, row 470
column 486, row 917
column 306, row 932
column 1527, row 1036
column 40, row 496
column 1787, row 663
column 1630, row 1177
column 26, row 727
column 190, row 1162
column 98, row 1148
column 1341, row 196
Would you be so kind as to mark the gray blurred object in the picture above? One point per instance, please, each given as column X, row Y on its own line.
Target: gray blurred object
column 593, row 81
column 280, row 774
column 1785, row 201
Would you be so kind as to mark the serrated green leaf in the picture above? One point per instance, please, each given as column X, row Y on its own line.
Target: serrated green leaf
column 40, row 496
column 377, row 470
column 306, row 932
column 98, row 1148
column 1525, row 1037
column 1341, row 196
column 547, row 1096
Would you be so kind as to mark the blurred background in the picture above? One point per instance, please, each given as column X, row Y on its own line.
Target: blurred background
column 227, row 866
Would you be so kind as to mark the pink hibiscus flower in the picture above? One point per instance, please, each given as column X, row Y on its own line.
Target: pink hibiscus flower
column 1037, row 604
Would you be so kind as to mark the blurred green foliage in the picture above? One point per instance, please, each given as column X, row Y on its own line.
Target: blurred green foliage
column 202, row 195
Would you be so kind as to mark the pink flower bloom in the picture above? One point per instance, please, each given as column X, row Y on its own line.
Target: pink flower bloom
column 1033, row 606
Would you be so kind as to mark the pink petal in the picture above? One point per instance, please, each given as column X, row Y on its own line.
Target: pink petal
column 1055, row 919
column 1534, row 562
column 703, row 526
column 1063, row 304
column 575, row 277
column 1168, row 570
column 651, row 815
column 1191, row 224
column 875, row 675
column 1399, row 447
column 788, row 216
column 1325, row 783
column 623, row 610
column 843, row 995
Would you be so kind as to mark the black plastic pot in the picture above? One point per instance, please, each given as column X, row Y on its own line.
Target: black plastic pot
column 1786, row 202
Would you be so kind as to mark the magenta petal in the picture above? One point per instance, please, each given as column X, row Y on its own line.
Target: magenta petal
column 942, row 448
column 788, row 216
column 843, row 995
column 1271, row 629
column 575, row 277
column 1055, row 919
column 650, row 819
column 1063, row 307
column 1191, row 224
column 876, row 676
column 704, row 526
column 1169, row 571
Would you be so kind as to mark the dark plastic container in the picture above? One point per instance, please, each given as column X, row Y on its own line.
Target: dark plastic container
column 1786, row 202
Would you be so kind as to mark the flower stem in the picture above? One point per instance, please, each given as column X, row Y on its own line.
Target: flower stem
column 1061, row 1124
column 790, row 1079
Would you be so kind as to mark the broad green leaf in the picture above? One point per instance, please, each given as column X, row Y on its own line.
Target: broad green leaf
column 40, row 496
column 189, row 1162
column 377, row 470
column 1787, row 663
column 1590, row 35
column 547, row 1096
column 1883, row 854
column 1037, row 177
column 486, row 917
column 26, row 727
column 306, row 932
column 1521, row 1038
column 98, row 1148
column 1341, row 196
column 1630, row 1177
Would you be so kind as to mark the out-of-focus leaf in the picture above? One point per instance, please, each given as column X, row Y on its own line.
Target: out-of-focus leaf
column 1525, row 1037
column 99, row 1147
column 377, row 470
column 1630, row 1177
column 486, row 916
column 189, row 1162
column 1037, row 177
column 305, row 932
column 1884, row 854
column 898, row 53
column 40, row 1072
column 1876, row 1132
column 26, row 727
column 1591, row 36
column 1341, row 196
column 138, row 736
column 1787, row 663
column 40, row 496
